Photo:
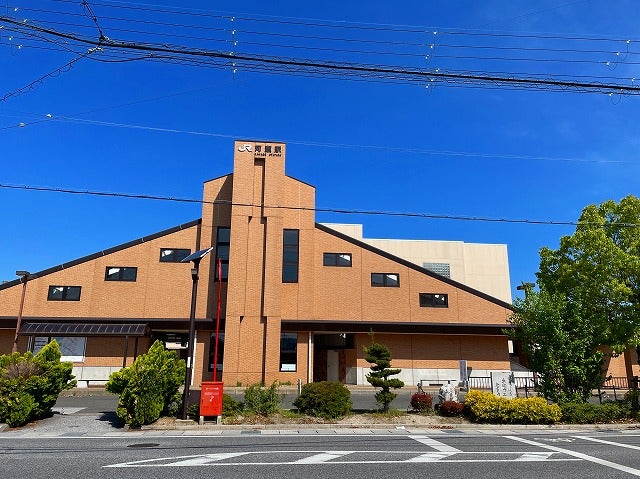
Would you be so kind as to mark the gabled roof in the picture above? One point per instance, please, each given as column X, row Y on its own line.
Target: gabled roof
column 105, row 252
column 413, row 266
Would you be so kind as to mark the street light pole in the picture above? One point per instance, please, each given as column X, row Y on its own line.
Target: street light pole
column 24, row 277
column 196, row 258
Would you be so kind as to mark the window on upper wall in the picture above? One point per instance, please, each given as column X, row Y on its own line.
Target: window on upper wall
column 443, row 269
column 336, row 259
column 223, row 242
column 64, row 293
column 434, row 300
column 173, row 255
column 290, row 255
column 120, row 273
column 288, row 352
column 390, row 280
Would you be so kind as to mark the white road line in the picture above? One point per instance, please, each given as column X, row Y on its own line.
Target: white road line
column 579, row 455
column 206, row 459
column 322, row 457
column 628, row 446
column 430, row 457
column 437, row 445
column 534, row 456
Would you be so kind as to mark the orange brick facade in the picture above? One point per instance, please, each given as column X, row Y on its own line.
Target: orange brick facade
column 327, row 310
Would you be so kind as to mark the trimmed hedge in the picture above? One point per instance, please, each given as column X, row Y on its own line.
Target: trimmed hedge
column 421, row 402
column 587, row 413
column 325, row 399
column 486, row 407
column 451, row 408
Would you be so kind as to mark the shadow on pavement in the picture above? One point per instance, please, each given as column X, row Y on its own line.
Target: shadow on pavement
column 111, row 418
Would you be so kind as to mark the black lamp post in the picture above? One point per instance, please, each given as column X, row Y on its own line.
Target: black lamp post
column 24, row 277
column 526, row 287
column 195, row 257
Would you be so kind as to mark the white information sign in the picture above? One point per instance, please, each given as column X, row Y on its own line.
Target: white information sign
column 503, row 384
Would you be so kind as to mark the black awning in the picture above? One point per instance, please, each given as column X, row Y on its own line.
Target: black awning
column 83, row 329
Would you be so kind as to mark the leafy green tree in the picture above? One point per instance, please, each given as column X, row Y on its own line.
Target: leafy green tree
column 598, row 270
column 560, row 344
column 150, row 387
column 589, row 299
column 379, row 356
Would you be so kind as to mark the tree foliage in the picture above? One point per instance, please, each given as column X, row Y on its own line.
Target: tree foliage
column 379, row 356
column 560, row 344
column 589, row 298
column 149, row 387
column 598, row 269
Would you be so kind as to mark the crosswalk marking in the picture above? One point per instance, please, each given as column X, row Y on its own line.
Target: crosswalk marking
column 534, row 456
column 437, row 445
column 207, row 459
column 579, row 455
column 322, row 457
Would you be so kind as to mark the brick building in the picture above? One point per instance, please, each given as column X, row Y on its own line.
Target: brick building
column 298, row 298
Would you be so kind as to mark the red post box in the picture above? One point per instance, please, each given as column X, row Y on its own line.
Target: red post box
column 211, row 398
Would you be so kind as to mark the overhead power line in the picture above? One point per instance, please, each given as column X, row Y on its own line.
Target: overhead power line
column 317, row 210
column 284, row 65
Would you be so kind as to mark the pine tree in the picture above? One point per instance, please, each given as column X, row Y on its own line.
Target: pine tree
column 379, row 356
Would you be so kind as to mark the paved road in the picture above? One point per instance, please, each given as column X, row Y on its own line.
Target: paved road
column 325, row 454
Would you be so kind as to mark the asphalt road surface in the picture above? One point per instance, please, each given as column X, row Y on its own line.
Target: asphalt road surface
column 312, row 454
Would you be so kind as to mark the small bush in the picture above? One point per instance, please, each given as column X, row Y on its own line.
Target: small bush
column 421, row 402
column 231, row 407
column 262, row 401
column 325, row 399
column 486, row 407
column 149, row 387
column 451, row 408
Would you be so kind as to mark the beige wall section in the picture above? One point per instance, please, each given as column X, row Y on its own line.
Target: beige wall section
column 162, row 290
column 346, row 293
column 484, row 267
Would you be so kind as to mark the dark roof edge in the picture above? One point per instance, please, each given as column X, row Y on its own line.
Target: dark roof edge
column 414, row 266
column 105, row 252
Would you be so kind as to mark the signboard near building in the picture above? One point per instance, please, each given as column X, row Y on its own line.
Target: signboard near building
column 503, row 384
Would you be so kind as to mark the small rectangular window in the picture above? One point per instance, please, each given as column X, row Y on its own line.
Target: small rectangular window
column 336, row 259
column 64, row 293
column 290, row 255
column 288, row 352
column 223, row 244
column 388, row 280
column 173, row 255
column 120, row 273
column 434, row 300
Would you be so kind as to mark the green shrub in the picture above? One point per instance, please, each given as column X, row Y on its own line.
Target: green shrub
column 262, row 401
column 486, row 407
column 149, row 387
column 421, row 402
column 325, row 399
column 231, row 407
column 451, row 408
column 16, row 407
column 587, row 413
column 30, row 385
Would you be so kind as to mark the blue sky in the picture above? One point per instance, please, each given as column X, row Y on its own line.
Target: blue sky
column 414, row 147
